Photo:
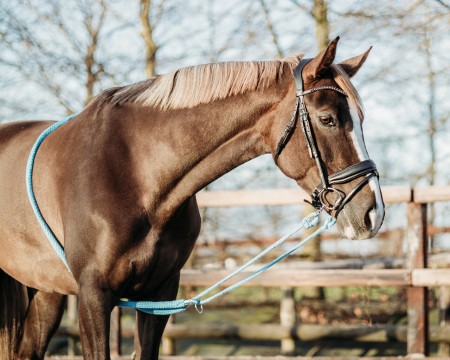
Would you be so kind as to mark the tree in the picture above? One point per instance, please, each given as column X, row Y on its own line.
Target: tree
column 147, row 34
column 48, row 46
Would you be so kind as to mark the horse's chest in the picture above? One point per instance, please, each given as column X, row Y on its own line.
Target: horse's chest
column 166, row 253
column 151, row 274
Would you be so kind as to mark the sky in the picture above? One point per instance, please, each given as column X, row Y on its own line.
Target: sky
column 392, row 83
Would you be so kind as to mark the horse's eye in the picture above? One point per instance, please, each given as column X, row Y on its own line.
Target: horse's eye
column 327, row 120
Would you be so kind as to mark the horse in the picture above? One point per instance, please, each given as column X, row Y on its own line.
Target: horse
column 117, row 186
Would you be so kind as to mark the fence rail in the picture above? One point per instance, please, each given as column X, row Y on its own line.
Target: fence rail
column 273, row 197
column 416, row 277
column 119, row 357
column 277, row 197
column 326, row 277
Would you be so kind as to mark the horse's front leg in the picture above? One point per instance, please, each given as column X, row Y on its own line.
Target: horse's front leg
column 149, row 328
column 94, row 310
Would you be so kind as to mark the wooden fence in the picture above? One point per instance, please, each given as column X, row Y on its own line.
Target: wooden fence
column 416, row 277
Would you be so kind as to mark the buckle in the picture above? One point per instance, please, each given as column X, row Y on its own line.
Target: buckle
column 316, row 201
column 328, row 203
column 320, row 201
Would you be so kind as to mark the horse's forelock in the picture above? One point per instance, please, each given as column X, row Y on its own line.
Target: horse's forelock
column 343, row 80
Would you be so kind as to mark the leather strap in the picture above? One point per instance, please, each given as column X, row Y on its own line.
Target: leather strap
column 298, row 75
column 339, row 206
column 353, row 172
column 364, row 168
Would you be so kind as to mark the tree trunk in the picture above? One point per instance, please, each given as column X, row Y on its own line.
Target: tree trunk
column 147, row 35
column 320, row 14
column 93, row 68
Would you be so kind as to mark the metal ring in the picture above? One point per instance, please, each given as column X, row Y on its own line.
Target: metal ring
column 199, row 307
column 326, row 204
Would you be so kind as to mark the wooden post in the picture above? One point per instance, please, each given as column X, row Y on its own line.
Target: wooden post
column 115, row 332
column 168, row 343
column 288, row 319
column 417, row 336
column 72, row 311
column 312, row 250
column 444, row 304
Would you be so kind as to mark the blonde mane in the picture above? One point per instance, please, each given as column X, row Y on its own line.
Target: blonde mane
column 191, row 86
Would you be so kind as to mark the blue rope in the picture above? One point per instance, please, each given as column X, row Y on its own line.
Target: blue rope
column 172, row 307
column 156, row 307
column 328, row 223
column 175, row 306
column 310, row 221
column 29, row 181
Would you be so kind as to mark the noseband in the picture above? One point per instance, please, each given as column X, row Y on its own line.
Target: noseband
column 320, row 196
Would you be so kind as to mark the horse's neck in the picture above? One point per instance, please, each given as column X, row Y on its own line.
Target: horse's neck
column 190, row 148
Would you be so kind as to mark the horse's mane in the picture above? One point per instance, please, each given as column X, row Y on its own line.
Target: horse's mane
column 191, row 86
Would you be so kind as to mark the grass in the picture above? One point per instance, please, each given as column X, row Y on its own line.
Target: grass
column 251, row 305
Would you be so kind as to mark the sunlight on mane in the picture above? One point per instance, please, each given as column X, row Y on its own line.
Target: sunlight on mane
column 191, row 86
column 194, row 85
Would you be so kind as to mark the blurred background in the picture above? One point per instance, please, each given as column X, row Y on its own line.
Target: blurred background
column 55, row 56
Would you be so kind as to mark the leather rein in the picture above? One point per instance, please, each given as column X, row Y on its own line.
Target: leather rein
column 366, row 168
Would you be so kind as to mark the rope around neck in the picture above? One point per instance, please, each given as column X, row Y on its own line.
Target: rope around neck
column 29, row 182
column 175, row 306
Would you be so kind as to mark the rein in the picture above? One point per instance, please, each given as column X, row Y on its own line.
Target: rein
column 172, row 307
column 364, row 168
column 175, row 306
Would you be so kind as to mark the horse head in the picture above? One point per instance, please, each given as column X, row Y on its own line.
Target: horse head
column 338, row 174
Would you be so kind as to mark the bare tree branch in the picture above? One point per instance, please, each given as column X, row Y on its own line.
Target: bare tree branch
column 271, row 29
column 147, row 35
column 441, row 2
column 304, row 8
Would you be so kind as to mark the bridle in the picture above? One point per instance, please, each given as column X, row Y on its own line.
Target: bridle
column 364, row 168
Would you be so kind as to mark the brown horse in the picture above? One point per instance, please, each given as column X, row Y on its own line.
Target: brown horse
column 117, row 186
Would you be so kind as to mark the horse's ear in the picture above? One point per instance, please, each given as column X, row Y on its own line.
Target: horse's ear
column 322, row 61
column 351, row 66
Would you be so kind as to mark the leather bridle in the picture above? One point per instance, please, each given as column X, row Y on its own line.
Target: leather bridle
column 319, row 196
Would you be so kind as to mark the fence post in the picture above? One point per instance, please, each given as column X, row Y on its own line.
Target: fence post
column 417, row 336
column 72, row 313
column 168, row 343
column 444, row 301
column 115, row 332
column 288, row 319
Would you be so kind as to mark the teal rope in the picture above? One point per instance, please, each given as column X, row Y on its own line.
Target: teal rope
column 156, row 307
column 172, row 307
column 328, row 223
column 29, row 181
column 175, row 306
column 310, row 221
